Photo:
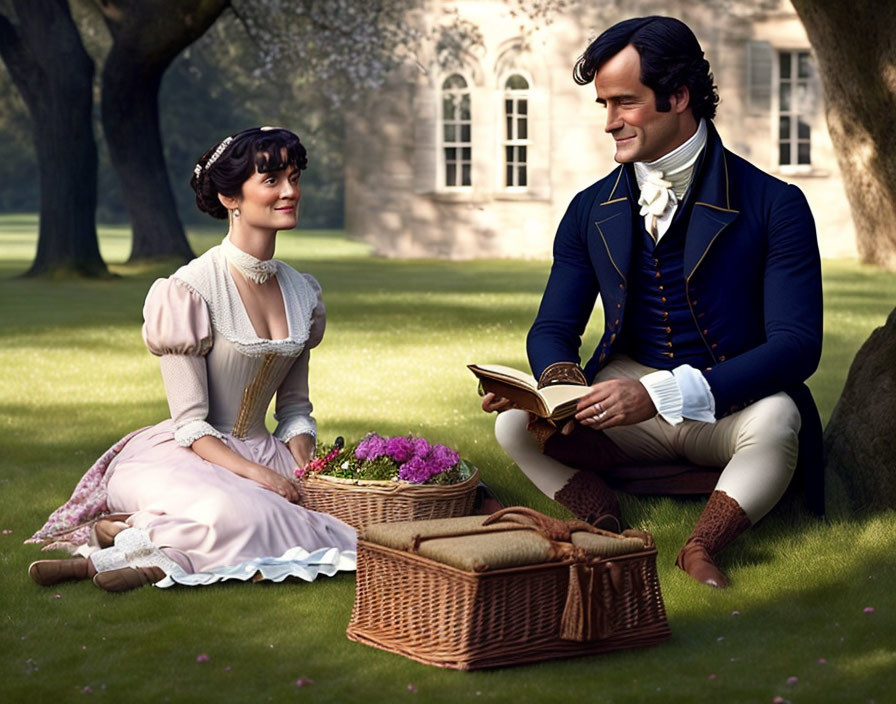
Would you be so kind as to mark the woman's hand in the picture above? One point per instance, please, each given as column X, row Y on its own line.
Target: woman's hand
column 302, row 449
column 492, row 403
column 277, row 483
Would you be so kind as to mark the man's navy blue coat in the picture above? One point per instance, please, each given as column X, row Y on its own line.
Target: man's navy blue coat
column 753, row 281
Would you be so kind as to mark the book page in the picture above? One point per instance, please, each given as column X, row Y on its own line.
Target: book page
column 510, row 372
column 558, row 394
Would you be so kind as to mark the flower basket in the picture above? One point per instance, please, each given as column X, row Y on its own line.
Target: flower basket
column 361, row 502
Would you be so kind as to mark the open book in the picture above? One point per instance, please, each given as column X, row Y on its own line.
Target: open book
column 555, row 402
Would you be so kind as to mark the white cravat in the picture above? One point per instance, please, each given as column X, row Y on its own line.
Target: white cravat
column 664, row 182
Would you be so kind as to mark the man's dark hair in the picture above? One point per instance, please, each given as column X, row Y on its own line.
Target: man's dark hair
column 671, row 57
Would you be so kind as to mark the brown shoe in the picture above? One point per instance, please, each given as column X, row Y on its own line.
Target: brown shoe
column 49, row 572
column 127, row 578
column 721, row 522
column 591, row 500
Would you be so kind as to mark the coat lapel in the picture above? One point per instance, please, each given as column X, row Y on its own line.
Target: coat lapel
column 612, row 218
column 712, row 211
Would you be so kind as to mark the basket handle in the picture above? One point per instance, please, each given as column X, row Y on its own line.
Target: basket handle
column 551, row 528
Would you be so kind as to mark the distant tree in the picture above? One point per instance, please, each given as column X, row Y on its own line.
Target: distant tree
column 42, row 50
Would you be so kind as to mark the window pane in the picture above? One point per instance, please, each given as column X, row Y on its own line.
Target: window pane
column 803, row 155
column 509, row 124
column 516, row 82
column 804, row 66
column 454, row 81
column 450, row 133
column 465, row 106
column 785, row 97
column 450, row 174
column 785, row 64
column 465, row 153
column 509, row 175
column 465, row 175
column 784, row 153
column 521, row 154
column 521, row 172
column 522, row 106
column 448, row 107
column 508, row 107
column 508, row 154
column 784, row 129
column 522, row 129
column 465, row 133
column 803, row 130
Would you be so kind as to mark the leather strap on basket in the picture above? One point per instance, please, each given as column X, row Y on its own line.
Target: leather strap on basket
column 594, row 583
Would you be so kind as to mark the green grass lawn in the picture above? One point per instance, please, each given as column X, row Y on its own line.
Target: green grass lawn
column 75, row 377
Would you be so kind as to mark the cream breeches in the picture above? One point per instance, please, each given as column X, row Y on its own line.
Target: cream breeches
column 757, row 446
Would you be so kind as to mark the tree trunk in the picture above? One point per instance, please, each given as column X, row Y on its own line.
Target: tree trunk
column 147, row 36
column 54, row 73
column 859, row 78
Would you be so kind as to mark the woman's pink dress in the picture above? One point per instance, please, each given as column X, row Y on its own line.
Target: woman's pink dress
column 198, row 521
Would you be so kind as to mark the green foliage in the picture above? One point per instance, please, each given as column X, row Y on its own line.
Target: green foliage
column 75, row 376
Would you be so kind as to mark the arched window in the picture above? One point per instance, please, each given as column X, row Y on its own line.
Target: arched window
column 457, row 143
column 516, row 131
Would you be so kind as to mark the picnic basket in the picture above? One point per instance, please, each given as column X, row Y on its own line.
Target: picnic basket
column 521, row 587
column 363, row 502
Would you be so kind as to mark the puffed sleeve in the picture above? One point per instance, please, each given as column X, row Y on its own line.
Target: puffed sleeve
column 293, row 407
column 178, row 329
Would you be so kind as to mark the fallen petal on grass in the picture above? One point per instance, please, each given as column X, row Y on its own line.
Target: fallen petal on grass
column 202, row 657
column 304, row 681
column 822, row 661
column 57, row 595
column 791, row 681
column 869, row 609
column 6, row 531
column 711, row 677
column 412, row 688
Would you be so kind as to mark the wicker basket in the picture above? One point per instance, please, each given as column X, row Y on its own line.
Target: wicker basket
column 448, row 617
column 361, row 503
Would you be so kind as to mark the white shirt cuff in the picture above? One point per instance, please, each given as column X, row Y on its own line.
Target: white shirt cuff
column 192, row 430
column 679, row 394
column 289, row 427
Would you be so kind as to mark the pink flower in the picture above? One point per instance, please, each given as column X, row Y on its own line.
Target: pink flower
column 202, row 657
column 57, row 596
column 304, row 681
column 711, row 677
column 6, row 531
column 791, row 681
column 421, row 447
column 822, row 661
column 87, row 690
column 869, row 609
column 412, row 688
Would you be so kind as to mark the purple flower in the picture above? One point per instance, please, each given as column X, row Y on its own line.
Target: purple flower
column 421, row 447
column 792, row 681
column 202, row 657
column 371, row 447
column 400, row 449
column 443, row 457
column 415, row 470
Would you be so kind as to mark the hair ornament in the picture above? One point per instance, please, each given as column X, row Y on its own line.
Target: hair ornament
column 218, row 152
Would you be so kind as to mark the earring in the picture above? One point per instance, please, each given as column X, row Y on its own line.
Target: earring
column 236, row 212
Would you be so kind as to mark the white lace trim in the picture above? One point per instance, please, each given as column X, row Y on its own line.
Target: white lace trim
column 295, row 562
column 258, row 270
column 289, row 427
column 208, row 275
column 133, row 548
column 191, row 431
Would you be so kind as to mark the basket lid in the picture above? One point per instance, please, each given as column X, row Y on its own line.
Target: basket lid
column 484, row 543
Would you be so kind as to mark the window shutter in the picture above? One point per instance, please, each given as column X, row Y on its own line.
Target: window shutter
column 760, row 56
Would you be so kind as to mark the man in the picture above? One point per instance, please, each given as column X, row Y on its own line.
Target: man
column 709, row 276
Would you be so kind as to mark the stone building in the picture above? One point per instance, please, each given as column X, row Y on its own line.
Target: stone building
column 480, row 157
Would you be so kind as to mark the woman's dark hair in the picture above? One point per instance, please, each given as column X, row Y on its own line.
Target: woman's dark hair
column 225, row 167
column 671, row 57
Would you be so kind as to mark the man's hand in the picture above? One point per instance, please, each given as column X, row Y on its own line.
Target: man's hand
column 492, row 403
column 615, row 402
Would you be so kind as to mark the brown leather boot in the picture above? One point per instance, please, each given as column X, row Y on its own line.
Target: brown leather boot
column 127, row 578
column 721, row 522
column 49, row 572
column 591, row 500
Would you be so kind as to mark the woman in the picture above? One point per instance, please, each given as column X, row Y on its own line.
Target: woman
column 209, row 494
